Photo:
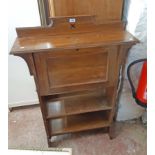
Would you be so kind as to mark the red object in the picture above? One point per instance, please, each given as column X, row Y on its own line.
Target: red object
column 141, row 93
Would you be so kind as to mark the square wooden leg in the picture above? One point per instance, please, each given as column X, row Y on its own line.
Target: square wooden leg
column 112, row 131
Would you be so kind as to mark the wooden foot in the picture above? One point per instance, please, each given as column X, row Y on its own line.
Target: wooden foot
column 115, row 129
column 49, row 144
column 49, row 141
column 10, row 109
column 112, row 131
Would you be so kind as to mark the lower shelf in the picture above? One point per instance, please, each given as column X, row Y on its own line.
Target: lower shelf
column 80, row 122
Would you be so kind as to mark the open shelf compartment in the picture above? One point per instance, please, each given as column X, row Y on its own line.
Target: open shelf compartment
column 61, row 105
column 79, row 122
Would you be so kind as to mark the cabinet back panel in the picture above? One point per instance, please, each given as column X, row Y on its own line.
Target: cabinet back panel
column 104, row 10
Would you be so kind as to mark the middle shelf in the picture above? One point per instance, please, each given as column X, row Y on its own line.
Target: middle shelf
column 76, row 104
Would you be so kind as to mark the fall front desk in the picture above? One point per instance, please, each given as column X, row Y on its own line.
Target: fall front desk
column 77, row 66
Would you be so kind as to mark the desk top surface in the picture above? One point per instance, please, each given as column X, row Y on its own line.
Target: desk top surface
column 37, row 39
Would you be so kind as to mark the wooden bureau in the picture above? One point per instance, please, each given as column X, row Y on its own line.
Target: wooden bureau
column 76, row 67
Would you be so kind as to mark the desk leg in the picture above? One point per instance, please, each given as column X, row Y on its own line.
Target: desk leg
column 112, row 131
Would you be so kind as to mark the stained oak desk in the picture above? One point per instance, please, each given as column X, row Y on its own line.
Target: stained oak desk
column 77, row 70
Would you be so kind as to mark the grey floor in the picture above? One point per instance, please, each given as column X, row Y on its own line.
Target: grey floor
column 26, row 131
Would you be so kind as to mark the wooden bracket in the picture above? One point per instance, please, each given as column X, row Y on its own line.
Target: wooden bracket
column 29, row 60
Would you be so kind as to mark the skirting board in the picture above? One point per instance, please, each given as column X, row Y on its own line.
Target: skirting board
column 23, row 104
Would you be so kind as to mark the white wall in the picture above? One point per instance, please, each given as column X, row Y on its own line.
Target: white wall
column 22, row 13
column 137, row 25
